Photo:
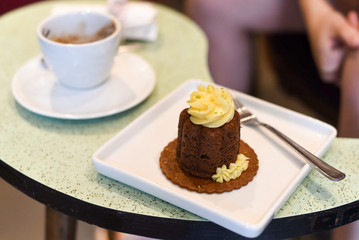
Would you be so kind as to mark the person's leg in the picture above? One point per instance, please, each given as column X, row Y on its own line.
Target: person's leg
column 349, row 106
column 347, row 232
column 229, row 25
column 349, row 86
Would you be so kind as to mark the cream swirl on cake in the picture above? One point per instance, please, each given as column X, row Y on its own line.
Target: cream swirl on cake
column 235, row 169
column 211, row 107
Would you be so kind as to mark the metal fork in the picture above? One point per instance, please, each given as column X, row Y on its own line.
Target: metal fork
column 249, row 118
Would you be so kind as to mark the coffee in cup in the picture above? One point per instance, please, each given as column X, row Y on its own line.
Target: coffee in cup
column 104, row 32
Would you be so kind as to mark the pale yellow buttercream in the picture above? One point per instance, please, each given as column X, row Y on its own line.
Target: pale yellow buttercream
column 211, row 107
column 235, row 169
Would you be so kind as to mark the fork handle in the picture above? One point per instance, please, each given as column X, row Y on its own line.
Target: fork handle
column 324, row 168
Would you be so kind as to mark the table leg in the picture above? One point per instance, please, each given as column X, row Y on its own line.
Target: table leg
column 59, row 226
column 111, row 235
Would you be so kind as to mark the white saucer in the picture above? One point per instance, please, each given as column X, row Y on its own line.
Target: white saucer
column 35, row 88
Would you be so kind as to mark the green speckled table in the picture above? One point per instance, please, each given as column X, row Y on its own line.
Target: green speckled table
column 50, row 159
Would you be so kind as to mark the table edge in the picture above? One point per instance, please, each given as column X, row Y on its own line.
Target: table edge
column 162, row 227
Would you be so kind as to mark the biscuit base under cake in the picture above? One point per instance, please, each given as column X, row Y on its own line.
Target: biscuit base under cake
column 173, row 172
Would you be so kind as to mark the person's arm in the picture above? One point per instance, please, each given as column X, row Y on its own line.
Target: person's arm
column 330, row 33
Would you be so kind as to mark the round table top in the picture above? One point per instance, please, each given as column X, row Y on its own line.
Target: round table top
column 50, row 159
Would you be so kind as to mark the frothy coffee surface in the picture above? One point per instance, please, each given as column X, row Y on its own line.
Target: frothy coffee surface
column 104, row 32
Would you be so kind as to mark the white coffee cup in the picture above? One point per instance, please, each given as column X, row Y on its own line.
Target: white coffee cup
column 83, row 65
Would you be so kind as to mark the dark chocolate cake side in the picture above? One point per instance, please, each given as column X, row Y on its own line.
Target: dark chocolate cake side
column 200, row 150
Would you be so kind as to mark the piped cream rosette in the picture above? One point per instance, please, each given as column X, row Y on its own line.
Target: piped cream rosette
column 211, row 107
column 233, row 171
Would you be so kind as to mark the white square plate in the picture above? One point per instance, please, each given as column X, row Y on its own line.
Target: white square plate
column 132, row 157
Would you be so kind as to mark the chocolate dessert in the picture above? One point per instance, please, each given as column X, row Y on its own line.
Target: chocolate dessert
column 208, row 155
